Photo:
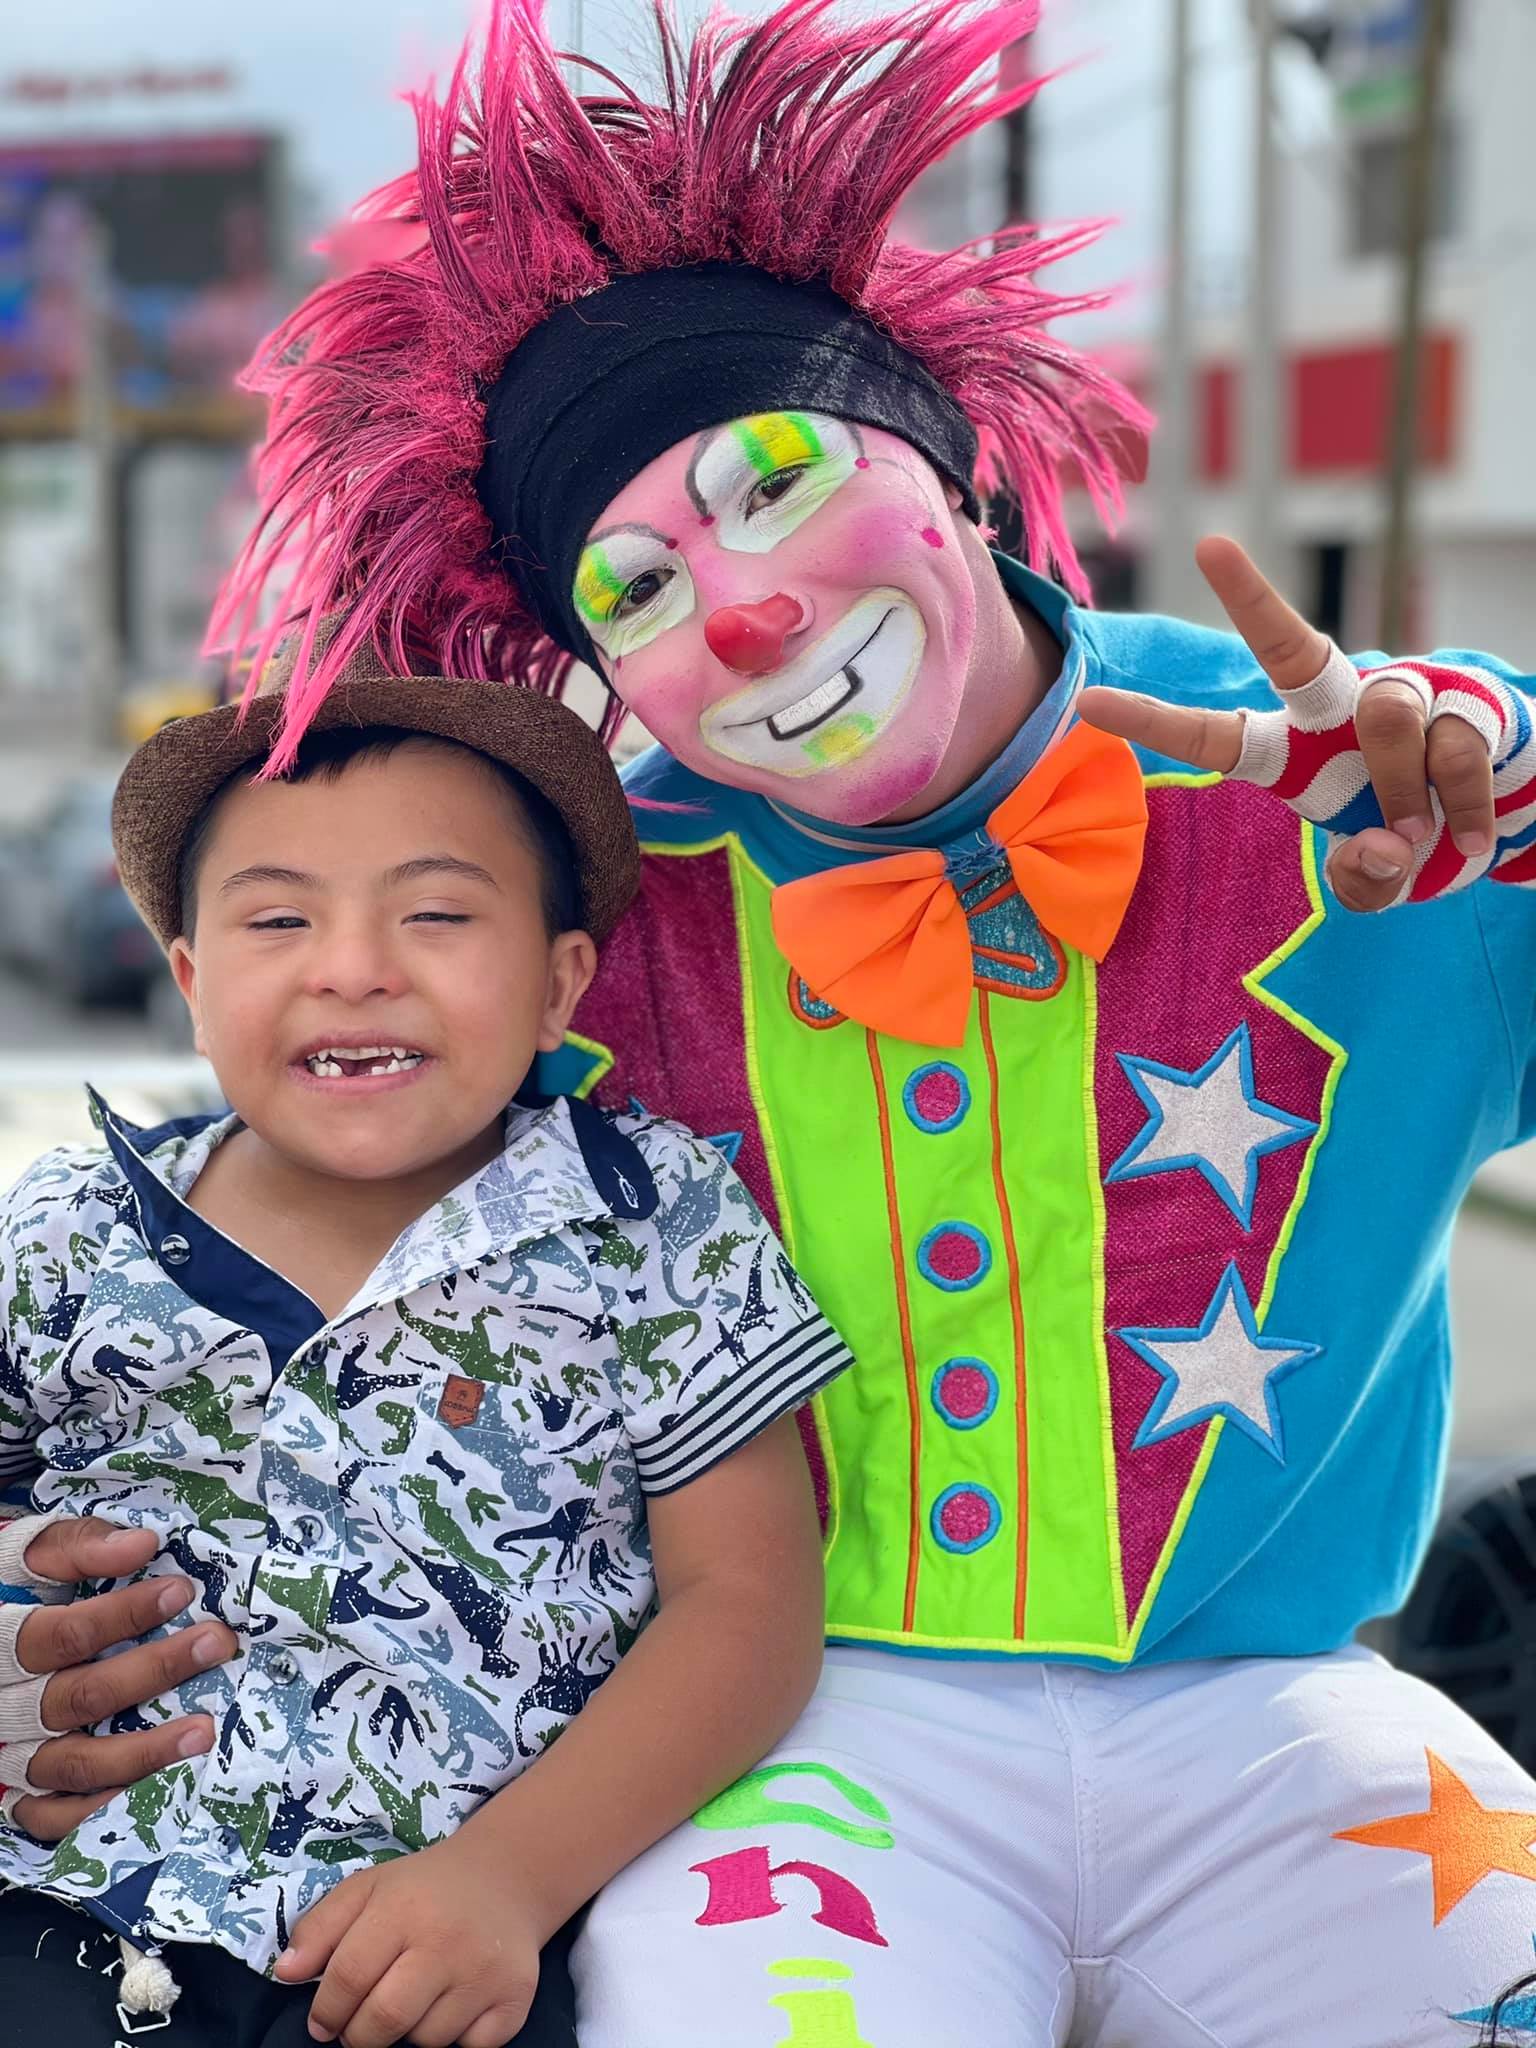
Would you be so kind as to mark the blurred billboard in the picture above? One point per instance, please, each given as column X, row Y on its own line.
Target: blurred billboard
column 137, row 274
column 190, row 238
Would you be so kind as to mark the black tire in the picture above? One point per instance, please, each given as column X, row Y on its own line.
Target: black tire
column 1469, row 1626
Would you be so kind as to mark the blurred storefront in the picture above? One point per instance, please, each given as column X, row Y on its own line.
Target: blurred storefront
column 1341, row 208
column 136, row 275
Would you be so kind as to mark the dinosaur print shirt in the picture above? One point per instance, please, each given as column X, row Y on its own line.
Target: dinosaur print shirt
column 425, row 1518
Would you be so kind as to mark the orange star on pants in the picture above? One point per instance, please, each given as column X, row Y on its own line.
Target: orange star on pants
column 1464, row 1840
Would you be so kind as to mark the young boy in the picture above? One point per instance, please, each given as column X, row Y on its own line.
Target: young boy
column 432, row 1398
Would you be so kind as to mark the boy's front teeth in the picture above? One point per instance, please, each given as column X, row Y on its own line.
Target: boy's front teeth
column 336, row 1062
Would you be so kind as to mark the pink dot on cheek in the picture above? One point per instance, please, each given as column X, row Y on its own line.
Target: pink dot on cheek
column 934, row 538
column 706, row 519
column 862, row 462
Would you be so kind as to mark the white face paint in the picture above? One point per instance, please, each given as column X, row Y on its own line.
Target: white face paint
column 632, row 584
column 761, row 480
column 785, row 602
column 852, row 680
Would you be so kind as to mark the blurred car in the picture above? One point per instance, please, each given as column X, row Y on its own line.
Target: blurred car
column 146, row 709
column 169, row 1019
column 63, row 914
column 1469, row 1625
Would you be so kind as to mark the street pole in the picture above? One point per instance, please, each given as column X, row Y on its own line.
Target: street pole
column 1264, row 410
column 96, row 430
column 1014, row 69
column 1171, row 473
column 1398, row 550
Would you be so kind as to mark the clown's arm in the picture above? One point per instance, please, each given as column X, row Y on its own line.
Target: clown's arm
column 1422, row 773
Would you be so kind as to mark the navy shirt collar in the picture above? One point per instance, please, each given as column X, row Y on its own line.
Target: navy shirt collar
column 608, row 1177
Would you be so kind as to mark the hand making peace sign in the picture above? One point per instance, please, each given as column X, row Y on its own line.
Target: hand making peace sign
column 1427, row 745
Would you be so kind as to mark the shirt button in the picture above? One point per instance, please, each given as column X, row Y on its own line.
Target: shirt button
column 175, row 1250
column 309, row 1530
column 283, row 1668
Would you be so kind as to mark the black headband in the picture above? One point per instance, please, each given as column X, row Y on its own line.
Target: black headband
column 609, row 382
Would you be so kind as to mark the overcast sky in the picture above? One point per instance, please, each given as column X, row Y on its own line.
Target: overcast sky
column 328, row 73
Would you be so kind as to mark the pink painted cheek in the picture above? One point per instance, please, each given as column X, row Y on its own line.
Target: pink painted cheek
column 665, row 702
column 871, row 540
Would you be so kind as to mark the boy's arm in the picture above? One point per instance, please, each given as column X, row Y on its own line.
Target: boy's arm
column 713, row 1682
column 443, row 1945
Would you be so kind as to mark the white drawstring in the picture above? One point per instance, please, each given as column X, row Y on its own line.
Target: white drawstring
column 147, row 1984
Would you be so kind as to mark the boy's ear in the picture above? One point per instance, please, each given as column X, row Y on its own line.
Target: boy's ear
column 572, row 964
column 184, row 973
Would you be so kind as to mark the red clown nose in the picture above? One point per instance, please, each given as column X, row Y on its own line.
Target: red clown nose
column 749, row 638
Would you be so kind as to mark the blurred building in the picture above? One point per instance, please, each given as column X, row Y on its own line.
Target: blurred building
column 136, row 275
column 1342, row 209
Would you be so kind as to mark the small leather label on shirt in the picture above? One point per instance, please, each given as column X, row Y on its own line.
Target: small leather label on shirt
column 460, row 1401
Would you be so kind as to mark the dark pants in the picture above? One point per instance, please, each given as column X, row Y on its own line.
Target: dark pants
column 58, row 1989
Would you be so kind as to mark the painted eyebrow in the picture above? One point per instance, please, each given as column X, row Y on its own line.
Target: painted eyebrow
column 628, row 526
column 707, row 440
column 691, row 481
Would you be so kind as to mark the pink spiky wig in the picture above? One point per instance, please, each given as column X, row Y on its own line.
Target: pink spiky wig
column 784, row 146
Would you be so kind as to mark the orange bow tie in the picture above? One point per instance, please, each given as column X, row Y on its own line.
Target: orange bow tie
column 887, row 941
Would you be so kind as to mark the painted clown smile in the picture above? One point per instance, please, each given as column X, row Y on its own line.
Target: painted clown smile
column 832, row 701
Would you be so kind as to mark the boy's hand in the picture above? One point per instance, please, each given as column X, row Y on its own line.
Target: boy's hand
column 434, row 1948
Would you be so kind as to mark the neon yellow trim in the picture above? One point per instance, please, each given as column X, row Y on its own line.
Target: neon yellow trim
column 602, row 1057
column 1160, row 1571
column 992, row 1646
column 1184, row 778
column 1090, row 973
column 1253, row 982
column 1338, row 1057
column 680, row 849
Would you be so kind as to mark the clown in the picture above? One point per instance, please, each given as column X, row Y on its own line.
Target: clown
column 993, row 940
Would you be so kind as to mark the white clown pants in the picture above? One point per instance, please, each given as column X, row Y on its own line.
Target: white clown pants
column 986, row 1855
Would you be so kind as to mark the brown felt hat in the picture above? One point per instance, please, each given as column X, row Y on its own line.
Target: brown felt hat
column 169, row 781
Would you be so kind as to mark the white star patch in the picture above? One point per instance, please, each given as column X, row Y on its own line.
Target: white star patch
column 1208, row 1119
column 1222, row 1368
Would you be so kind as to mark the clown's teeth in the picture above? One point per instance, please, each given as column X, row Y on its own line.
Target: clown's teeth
column 797, row 719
